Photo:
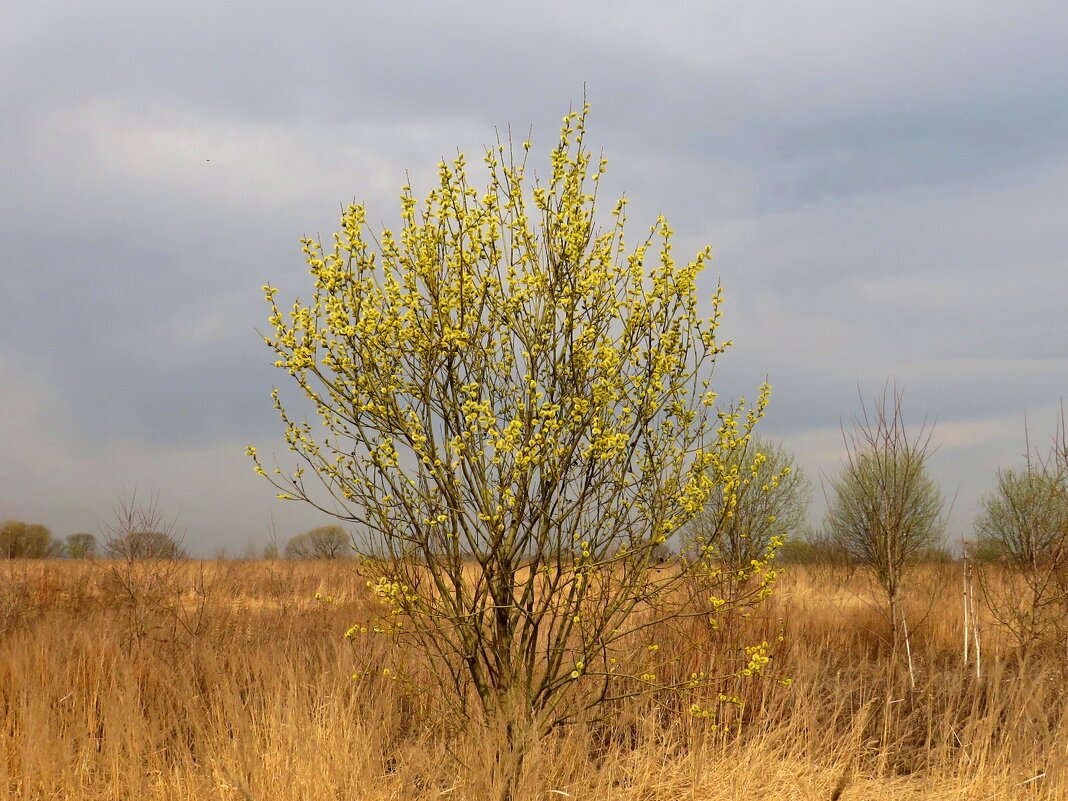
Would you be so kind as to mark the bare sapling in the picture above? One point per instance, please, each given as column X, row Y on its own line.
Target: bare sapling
column 1023, row 528
column 885, row 511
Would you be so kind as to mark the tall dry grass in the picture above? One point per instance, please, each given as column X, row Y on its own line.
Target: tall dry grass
column 230, row 680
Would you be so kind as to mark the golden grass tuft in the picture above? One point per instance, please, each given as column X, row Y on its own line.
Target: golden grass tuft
column 229, row 680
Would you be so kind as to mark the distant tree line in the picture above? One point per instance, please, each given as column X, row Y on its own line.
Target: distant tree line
column 19, row 540
column 885, row 514
column 130, row 541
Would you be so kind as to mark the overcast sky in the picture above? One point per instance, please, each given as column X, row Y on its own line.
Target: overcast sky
column 885, row 186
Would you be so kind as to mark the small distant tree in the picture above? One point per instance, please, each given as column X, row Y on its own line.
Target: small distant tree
column 518, row 411
column 81, row 546
column 325, row 542
column 1023, row 526
column 770, row 503
column 1025, row 520
column 885, row 511
column 749, row 519
column 20, row 540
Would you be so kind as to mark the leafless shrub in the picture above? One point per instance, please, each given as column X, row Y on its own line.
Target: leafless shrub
column 142, row 531
column 144, row 574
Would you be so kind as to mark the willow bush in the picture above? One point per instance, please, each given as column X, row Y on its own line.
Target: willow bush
column 516, row 406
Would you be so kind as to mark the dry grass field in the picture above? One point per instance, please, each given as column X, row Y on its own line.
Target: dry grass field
column 232, row 680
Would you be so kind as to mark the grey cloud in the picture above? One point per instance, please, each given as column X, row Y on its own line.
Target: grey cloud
column 884, row 188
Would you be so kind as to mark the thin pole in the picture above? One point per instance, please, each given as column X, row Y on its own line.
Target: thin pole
column 966, row 604
column 908, row 649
